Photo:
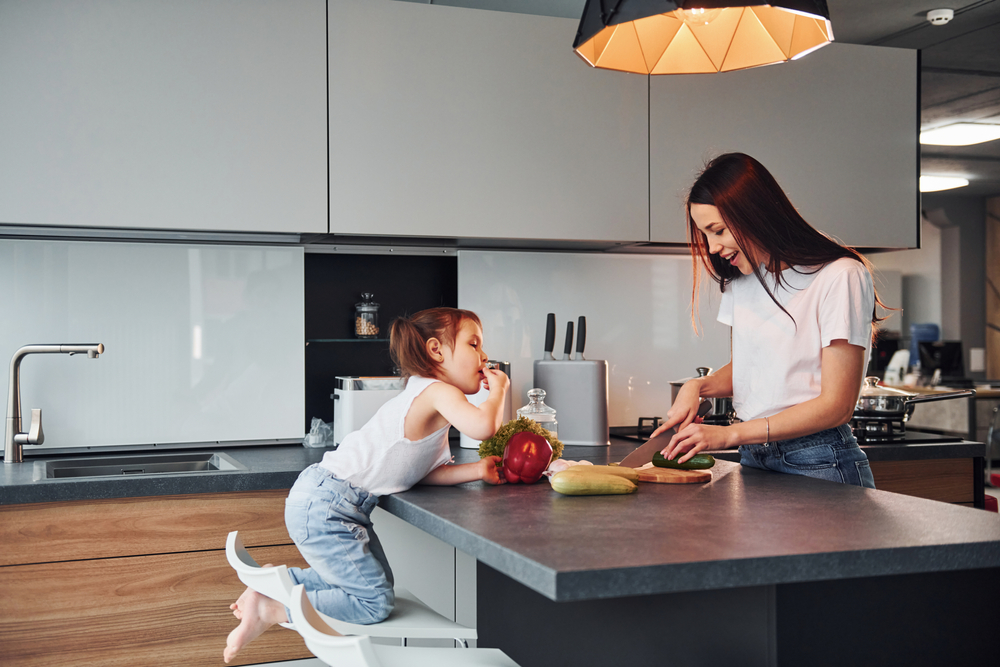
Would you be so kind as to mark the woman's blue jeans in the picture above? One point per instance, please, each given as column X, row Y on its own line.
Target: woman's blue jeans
column 330, row 522
column 832, row 454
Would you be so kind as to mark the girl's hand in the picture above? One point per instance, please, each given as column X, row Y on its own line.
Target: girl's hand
column 684, row 410
column 491, row 470
column 693, row 438
column 495, row 380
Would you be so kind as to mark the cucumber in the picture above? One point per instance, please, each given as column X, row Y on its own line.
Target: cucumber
column 696, row 462
column 628, row 473
column 571, row 483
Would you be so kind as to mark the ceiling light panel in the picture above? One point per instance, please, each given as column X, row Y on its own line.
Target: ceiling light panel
column 938, row 183
column 960, row 134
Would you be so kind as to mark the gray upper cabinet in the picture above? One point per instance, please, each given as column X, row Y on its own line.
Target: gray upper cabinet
column 181, row 115
column 456, row 122
column 838, row 129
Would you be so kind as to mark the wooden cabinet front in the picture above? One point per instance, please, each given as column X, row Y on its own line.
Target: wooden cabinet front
column 135, row 581
column 947, row 480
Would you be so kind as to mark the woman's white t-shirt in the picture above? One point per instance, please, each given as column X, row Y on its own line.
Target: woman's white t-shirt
column 378, row 458
column 776, row 362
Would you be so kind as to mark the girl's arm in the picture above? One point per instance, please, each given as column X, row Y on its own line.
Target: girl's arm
column 486, row 469
column 841, row 367
column 477, row 422
column 685, row 405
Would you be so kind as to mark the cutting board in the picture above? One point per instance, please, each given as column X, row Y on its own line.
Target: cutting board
column 650, row 473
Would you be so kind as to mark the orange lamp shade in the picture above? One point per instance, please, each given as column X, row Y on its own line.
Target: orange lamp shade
column 700, row 36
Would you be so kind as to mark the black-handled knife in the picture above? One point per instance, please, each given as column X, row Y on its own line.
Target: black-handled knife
column 550, row 336
column 581, row 336
column 568, row 345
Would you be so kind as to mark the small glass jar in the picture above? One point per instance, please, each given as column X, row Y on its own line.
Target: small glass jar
column 366, row 317
column 539, row 412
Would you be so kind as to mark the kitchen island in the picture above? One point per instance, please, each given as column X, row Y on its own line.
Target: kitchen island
column 751, row 568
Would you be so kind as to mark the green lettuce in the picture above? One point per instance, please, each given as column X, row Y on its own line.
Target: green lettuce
column 495, row 445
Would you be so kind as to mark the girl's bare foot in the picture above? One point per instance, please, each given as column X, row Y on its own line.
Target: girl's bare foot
column 256, row 613
column 236, row 605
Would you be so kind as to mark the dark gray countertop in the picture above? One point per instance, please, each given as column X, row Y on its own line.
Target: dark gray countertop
column 277, row 466
column 746, row 527
column 268, row 467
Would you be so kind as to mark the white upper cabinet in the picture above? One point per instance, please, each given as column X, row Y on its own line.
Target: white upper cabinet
column 181, row 115
column 457, row 122
column 838, row 129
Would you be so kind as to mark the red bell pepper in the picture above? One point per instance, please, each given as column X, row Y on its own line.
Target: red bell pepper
column 526, row 457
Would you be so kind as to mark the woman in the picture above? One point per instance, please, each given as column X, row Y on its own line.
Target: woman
column 802, row 312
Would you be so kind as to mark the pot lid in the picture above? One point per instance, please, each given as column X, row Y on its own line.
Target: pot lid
column 873, row 388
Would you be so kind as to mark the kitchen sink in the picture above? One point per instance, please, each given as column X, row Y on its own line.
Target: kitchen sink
column 136, row 465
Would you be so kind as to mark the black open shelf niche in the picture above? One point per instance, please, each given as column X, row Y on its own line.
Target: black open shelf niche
column 334, row 282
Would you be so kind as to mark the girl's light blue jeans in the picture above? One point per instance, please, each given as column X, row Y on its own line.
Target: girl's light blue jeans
column 832, row 454
column 330, row 522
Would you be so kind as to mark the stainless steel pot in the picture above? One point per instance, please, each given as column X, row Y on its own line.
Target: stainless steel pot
column 722, row 412
column 891, row 403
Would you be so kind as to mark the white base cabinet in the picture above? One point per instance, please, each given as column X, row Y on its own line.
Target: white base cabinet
column 443, row 577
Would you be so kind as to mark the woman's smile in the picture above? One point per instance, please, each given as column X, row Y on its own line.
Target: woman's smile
column 718, row 238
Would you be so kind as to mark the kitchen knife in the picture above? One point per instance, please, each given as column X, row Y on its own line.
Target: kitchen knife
column 643, row 454
column 581, row 336
column 568, row 345
column 550, row 336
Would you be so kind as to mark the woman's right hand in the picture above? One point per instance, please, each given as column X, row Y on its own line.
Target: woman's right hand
column 684, row 409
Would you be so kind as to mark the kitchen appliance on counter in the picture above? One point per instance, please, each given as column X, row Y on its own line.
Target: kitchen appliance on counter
column 356, row 399
column 577, row 388
column 479, row 398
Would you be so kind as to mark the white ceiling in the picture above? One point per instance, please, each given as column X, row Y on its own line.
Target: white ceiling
column 960, row 72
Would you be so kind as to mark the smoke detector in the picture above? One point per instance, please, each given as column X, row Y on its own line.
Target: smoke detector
column 940, row 16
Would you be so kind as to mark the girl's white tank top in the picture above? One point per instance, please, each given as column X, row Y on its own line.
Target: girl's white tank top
column 378, row 458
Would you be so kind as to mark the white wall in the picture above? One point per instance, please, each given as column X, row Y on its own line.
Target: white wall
column 921, row 280
column 638, row 319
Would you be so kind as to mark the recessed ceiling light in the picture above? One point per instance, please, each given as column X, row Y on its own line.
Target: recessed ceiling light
column 960, row 134
column 936, row 183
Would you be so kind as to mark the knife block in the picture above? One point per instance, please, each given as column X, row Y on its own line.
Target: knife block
column 578, row 391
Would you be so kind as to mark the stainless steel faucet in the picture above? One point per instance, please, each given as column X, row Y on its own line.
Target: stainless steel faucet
column 14, row 440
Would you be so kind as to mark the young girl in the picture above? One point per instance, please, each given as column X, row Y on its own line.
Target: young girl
column 328, row 510
column 802, row 312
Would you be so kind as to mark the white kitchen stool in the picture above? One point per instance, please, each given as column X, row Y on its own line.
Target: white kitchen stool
column 410, row 618
column 334, row 649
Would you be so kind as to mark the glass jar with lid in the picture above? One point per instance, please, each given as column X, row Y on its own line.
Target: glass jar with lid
column 366, row 317
column 539, row 412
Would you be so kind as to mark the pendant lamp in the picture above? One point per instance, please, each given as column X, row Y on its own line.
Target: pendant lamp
column 698, row 36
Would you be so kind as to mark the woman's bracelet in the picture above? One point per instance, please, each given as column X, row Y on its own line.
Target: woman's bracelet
column 767, row 438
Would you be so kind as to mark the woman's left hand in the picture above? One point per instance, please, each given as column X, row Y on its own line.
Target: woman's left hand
column 492, row 473
column 693, row 438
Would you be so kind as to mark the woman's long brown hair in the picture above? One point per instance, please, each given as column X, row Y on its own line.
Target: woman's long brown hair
column 759, row 215
column 408, row 338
